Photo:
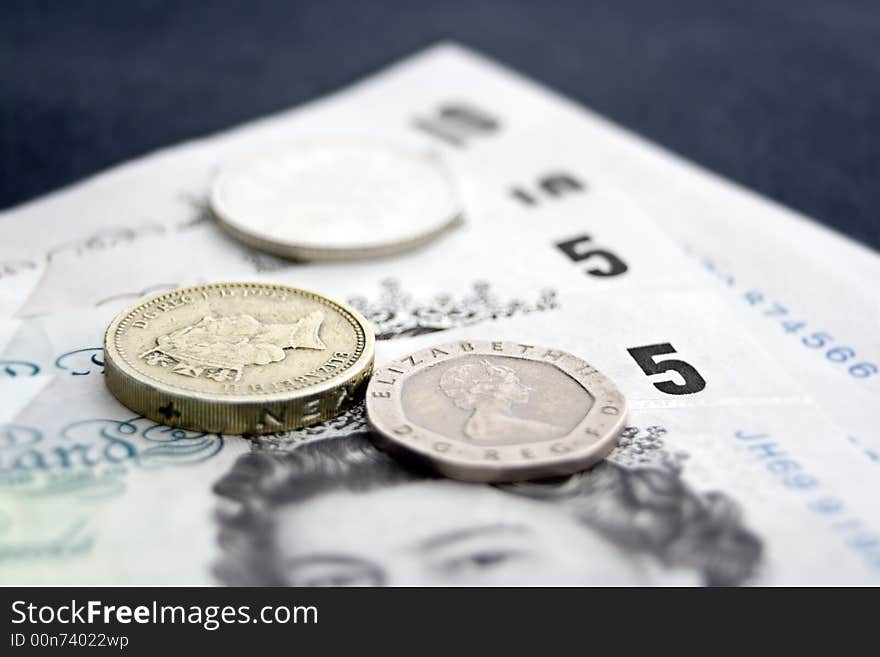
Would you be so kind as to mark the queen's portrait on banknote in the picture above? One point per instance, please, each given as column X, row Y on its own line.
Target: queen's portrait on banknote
column 338, row 512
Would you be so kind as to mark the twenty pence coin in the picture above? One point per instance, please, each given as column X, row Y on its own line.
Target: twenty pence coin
column 495, row 411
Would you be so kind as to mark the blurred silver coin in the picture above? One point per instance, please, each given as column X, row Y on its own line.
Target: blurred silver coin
column 495, row 411
column 335, row 199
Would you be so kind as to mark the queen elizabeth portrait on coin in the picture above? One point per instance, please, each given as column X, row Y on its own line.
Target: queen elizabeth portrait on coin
column 495, row 410
column 490, row 391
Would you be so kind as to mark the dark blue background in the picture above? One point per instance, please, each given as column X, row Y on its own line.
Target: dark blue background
column 783, row 97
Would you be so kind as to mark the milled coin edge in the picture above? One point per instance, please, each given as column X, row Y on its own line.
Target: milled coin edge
column 296, row 253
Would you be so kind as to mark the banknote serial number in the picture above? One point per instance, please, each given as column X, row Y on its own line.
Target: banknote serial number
column 817, row 340
column 839, row 520
column 835, row 352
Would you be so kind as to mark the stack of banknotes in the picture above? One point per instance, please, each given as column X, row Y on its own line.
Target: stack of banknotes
column 743, row 336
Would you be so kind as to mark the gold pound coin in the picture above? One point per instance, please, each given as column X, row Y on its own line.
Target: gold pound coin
column 238, row 358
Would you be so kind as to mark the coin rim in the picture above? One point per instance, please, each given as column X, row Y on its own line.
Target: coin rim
column 313, row 254
column 313, row 251
column 467, row 469
column 357, row 368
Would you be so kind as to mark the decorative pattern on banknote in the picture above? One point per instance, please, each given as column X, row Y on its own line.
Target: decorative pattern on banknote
column 90, row 458
column 79, row 362
column 395, row 313
column 86, row 463
column 82, row 362
column 220, row 348
column 12, row 369
column 644, row 447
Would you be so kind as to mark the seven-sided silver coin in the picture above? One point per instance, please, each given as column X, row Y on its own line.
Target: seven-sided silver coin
column 495, row 411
